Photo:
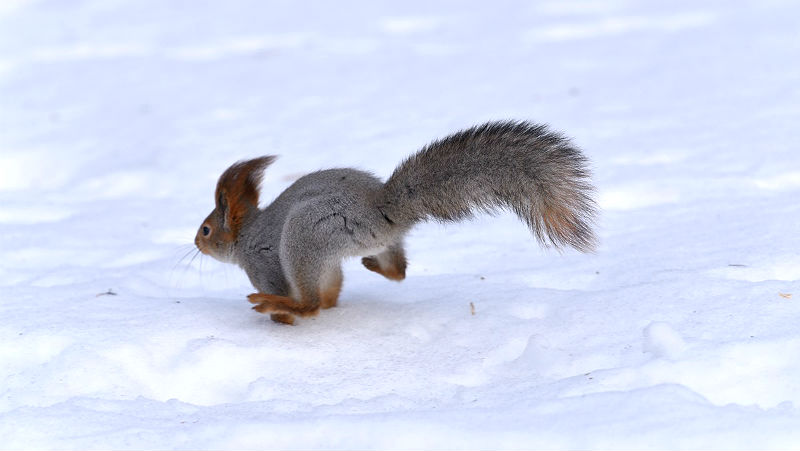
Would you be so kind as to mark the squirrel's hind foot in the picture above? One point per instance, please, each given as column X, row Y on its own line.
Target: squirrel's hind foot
column 390, row 263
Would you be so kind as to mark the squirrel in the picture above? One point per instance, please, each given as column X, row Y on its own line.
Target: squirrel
column 292, row 249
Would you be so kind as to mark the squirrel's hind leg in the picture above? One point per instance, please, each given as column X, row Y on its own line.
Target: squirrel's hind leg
column 331, row 287
column 390, row 263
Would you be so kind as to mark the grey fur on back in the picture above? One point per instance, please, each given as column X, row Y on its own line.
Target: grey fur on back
column 526, row 168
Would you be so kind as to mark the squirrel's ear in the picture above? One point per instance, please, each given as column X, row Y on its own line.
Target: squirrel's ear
column 238, row 190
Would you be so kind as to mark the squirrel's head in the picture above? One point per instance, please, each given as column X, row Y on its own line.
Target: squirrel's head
column 236, row 200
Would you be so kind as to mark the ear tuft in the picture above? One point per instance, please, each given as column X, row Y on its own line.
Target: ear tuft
column 238, row 190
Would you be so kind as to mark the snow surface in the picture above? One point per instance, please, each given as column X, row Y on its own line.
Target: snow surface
column 682, row 331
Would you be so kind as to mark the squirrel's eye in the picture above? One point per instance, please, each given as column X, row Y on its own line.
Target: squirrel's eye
column 206, row 230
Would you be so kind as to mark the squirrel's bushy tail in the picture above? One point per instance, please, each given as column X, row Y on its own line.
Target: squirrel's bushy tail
column 526, row 168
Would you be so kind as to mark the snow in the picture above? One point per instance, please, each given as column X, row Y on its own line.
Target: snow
column 682, row 331
column 663, row 341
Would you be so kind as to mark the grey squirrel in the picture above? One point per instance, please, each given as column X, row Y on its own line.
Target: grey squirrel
column 292, row 249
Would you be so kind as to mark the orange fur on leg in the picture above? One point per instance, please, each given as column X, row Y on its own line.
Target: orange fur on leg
column 283, row 318
column 270, row 303
column 394, row 267
column 329, row 295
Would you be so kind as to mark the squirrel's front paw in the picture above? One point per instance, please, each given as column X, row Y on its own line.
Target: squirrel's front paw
column 283, row 318
column 263, row 303
column 267, row 307
column 273, row 303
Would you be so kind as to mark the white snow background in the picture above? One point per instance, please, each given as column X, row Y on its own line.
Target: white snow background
column 682, row 331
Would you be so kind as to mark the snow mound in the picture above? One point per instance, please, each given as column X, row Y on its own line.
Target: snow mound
column 661, row 340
